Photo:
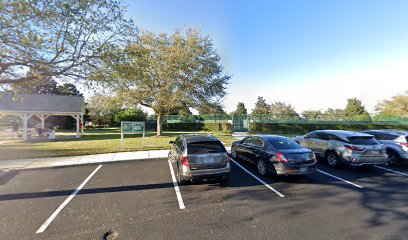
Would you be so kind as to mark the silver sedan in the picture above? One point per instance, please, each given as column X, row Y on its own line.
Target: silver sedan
column 345, row 147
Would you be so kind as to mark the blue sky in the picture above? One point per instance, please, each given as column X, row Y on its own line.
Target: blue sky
column 311, row 54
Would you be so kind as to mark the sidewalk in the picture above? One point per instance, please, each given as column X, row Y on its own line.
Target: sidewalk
column 84, row 159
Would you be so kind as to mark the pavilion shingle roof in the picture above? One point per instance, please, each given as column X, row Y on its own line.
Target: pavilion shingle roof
column 41, row 103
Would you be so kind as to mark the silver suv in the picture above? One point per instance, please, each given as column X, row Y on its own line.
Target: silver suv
column 396, row 142
column 346, row 147
column 199, row 156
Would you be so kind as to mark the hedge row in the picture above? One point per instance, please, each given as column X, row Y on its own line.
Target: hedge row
column 296, row 128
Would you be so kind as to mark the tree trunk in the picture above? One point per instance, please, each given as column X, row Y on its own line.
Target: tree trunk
column 159, row 124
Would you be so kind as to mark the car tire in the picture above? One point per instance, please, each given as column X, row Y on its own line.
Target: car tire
column 234, row 154
column 180, row 180
column 393, row 156
column 332, row 159
column 263, row 167
column 224, row 179
column 171, row 158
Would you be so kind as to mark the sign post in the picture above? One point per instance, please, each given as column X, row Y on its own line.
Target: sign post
column 131, row 127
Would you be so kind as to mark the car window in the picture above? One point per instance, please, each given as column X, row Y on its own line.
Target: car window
column 205, row 147
column 257, row 142
column 388, row 137
column 281, row 143
column 363, row 140
column 179, row 144
column 311, row 135
column 334, row 137
column 247, row 141
column 382, row 136
column 322, row 136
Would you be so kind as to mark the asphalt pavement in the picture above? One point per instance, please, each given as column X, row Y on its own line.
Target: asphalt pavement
column 138, row 200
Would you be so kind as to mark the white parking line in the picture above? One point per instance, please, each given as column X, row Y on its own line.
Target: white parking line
column 176, row 188
column 59, row 209
column 344, row 180
column 390, row 170
column 260, row 180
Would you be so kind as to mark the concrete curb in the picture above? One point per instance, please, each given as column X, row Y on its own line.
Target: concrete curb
column 83, row 160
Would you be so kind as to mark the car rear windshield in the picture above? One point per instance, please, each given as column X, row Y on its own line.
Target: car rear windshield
column 283, row 144
column 363, row 140
column 205, row 147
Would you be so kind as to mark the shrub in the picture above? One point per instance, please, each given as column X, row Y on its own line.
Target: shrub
column 299, row 128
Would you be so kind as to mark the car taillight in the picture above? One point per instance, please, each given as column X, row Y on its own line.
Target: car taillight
column 228, row 157
column 354, row 148
column 184, row 161
column 281, row 158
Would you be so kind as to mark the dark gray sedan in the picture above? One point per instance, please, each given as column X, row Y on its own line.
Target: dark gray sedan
column 199, row 156
column 275, row 155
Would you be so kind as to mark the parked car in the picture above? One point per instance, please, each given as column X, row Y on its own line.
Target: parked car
column 345, row 147
column 274, row 155
column 396, row 142
column 199, row 156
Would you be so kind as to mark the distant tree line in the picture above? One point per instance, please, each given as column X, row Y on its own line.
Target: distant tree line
column 396, row 107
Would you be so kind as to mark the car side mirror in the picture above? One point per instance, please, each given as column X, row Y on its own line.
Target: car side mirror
column 171, row 142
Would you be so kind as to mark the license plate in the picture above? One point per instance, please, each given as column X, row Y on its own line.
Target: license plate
column 303, row 169
column 374, row 152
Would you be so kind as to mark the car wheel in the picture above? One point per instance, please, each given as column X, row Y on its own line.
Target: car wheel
column 234, row 153
column 332, row 159
column 179, row 178
column 171, row 158
column 262, row 167
column 224, row 179
column 393, row 156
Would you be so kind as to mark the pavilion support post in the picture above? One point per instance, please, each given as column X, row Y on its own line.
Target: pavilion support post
column 78, row 119
column 25, row 118
column 77, row 125
column 82, row 124
column 42, row 118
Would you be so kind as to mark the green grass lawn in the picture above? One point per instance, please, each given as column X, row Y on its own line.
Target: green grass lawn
column 94, row 141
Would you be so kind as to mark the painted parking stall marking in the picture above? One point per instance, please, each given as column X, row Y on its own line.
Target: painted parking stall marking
column 59, row 209
column 176, row 187
column 338, row 178
column 391, row 170
column 260, row 180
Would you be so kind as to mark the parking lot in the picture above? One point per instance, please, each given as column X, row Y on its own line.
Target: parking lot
column 139, row 200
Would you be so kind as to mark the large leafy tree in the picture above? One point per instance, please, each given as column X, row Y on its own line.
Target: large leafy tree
column 355, row 110
column 103, row 108
column 397, row 106
column 333, row 114
column 48, row 86
column 166, row 72
column 210, row 109
column 134, row 114
column 261, row 107
column 40, row 39
column 312, row 114
column 354, row 107
column 241, row 109
column 68, row 89
column 281, row 110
